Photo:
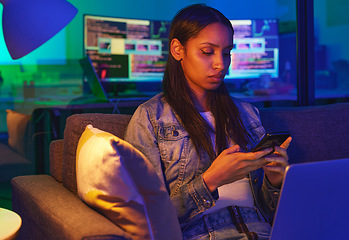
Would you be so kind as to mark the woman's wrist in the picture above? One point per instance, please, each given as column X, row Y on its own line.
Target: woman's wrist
column 209, row 181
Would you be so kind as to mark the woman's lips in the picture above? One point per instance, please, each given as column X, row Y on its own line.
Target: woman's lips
column 217, row 77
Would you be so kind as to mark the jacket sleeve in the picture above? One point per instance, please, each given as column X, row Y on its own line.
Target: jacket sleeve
column 193, row 197
column 141, row 134
column 270, row 196
column 266, row 196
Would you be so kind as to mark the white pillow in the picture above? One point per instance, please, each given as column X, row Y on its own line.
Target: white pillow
column 117, row 180
column 17, row 128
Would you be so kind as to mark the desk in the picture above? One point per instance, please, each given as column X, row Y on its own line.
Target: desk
column 27, row 106
column 10, row 223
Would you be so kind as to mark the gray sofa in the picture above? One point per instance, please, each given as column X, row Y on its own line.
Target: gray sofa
column 51, row 209
column 44, row 126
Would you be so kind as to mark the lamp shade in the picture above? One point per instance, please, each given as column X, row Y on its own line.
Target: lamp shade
column 27, row 24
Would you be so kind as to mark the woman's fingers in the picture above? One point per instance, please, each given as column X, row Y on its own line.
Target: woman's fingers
column 255, row 160
column 275, row 168
column 233, row 149
column 259, row 154
column 277, row 159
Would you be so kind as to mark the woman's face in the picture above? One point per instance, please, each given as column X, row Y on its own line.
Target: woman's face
column 206, row 58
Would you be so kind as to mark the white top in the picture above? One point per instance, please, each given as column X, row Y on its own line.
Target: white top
column 10, row 223
column 236, row 193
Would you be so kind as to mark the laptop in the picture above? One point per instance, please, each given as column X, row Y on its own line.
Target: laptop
column 314, row 202
column 98, row 89
column 93, row 80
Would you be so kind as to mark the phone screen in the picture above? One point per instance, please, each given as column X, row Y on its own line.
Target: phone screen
column 270, row 140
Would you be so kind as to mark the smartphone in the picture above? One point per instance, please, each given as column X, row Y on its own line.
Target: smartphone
column 270, row 140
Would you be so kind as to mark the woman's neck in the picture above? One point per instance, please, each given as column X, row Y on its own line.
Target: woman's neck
column 200, row 102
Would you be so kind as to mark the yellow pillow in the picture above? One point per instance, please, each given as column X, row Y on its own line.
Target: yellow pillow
column 17, row 129
column 117, row 180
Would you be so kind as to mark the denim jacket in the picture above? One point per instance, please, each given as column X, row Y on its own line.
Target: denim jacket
column 156, row 131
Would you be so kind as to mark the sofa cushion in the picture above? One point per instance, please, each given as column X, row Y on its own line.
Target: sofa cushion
column 318, row 132
column 75, row 126
column 17, row 128
column 117, row 180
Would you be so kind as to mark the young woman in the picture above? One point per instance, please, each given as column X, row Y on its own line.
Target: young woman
column 199, row 139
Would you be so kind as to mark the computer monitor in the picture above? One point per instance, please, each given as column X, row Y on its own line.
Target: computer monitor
column 126, row 50
column 256, row 49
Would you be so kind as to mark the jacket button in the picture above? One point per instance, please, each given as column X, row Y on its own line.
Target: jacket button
column 207, row 203
column 175, row 133
column 255, row 181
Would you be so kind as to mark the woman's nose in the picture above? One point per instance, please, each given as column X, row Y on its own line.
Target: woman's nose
column 218, row 63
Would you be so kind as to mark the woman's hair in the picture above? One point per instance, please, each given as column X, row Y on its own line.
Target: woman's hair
column 185, row 25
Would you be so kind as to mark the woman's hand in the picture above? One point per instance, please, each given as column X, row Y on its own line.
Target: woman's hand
column 278, row 161
column 232, row 165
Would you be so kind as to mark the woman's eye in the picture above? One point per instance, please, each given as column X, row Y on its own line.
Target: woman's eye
column 207, row 52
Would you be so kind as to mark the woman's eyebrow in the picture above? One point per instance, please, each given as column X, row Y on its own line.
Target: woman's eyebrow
column 215, row 45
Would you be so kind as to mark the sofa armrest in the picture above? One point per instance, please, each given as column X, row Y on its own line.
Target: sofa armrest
column 50, row 211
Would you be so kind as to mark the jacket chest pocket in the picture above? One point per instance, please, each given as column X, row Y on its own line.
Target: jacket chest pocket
column 179, row 158
column 173, row 143
column 172, row 133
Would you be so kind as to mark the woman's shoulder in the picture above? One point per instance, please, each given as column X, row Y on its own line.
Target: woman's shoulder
column 156, row 107
column 245, row 107
column 251, row 120
column 154, row 102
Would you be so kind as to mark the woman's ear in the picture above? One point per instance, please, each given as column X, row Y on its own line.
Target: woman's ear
column 177, row 49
